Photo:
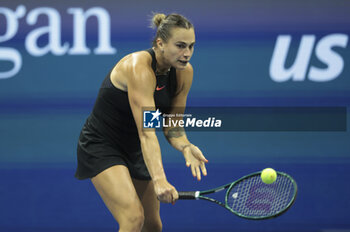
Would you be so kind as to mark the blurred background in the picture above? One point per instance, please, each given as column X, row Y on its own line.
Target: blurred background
column 256, row 53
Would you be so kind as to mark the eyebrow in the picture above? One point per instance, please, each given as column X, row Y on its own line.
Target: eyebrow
column 182, row 42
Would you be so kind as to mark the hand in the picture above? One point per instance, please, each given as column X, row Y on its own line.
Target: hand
column 165, row 192
column 196, row 160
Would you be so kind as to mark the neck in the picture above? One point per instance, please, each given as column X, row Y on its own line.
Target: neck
column 162, row 66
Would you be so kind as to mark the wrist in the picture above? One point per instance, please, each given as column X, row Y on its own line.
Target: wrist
column 159, row 179
column 185, row 146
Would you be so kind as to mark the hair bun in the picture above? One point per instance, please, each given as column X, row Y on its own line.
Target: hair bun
column 157, row 19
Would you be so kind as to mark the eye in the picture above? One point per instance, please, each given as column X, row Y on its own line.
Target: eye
column 182, row 46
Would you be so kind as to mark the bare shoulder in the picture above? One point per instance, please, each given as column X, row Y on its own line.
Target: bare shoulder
column 130, row 68
column 140, row 66
column 134, row 60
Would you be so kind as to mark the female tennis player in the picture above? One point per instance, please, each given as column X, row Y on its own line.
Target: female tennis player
column 122, row 159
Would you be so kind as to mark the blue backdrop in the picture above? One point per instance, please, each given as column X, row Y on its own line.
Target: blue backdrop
column 53, row 57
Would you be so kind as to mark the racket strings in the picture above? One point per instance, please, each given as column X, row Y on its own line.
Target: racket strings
column 253, row 198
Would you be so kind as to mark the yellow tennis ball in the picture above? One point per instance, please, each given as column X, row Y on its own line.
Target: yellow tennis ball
column 268, row 176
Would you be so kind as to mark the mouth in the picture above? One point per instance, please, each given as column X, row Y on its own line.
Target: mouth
column 183, row 62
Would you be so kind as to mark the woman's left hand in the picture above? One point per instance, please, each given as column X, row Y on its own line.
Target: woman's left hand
column 196, row 160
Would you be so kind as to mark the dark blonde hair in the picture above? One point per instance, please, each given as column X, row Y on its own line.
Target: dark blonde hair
column 165, row 24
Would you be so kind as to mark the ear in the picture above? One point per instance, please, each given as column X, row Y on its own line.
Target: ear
column 160, row 44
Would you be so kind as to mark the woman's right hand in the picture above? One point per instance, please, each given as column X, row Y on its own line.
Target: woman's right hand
column 165, row 192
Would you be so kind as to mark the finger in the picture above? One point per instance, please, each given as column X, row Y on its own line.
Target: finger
column 162, row 199
column 166, row 196
column 186, row 153
column 198, row 173
column 175, row 196
column 202, row 158
column 200, row 155
column 204, row 170
column 169, row 197
column 193, row 170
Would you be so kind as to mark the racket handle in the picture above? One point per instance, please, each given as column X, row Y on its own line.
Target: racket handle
column 192, row 195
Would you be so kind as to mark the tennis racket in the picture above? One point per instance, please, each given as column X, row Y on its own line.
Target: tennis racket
column 250, row 198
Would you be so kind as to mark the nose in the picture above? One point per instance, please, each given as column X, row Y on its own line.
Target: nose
column 187, row 53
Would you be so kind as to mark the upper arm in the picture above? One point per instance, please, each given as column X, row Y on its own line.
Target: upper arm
column 184, row 83
column 141, row 84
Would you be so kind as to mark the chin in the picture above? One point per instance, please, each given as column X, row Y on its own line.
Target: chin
column 180, row 67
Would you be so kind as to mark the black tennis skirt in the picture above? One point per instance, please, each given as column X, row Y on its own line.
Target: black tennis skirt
column 95, row 154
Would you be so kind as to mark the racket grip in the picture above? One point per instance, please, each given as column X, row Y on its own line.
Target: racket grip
column 192, row 195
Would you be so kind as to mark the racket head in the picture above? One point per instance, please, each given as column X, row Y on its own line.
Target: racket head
column 251, row 198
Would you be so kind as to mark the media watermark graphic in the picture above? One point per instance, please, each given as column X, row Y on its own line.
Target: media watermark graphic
column 152, row 119
column 156, row 119
column 248, row 118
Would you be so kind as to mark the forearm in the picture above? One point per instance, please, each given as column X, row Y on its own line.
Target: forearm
column 176, row 136
column 152, row 155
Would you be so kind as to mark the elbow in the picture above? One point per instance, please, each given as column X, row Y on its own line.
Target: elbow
column 147, row 135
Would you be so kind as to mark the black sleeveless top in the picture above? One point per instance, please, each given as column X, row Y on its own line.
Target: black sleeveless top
column 112, row 118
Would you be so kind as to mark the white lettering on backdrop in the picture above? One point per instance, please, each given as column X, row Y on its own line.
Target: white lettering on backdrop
column 53, row 31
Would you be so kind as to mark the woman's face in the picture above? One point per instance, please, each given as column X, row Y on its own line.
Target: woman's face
column 179, row 48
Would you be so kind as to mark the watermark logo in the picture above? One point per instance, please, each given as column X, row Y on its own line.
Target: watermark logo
column 188, row 121
column 248, row 118
column 151, row 119
column 156, row 119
